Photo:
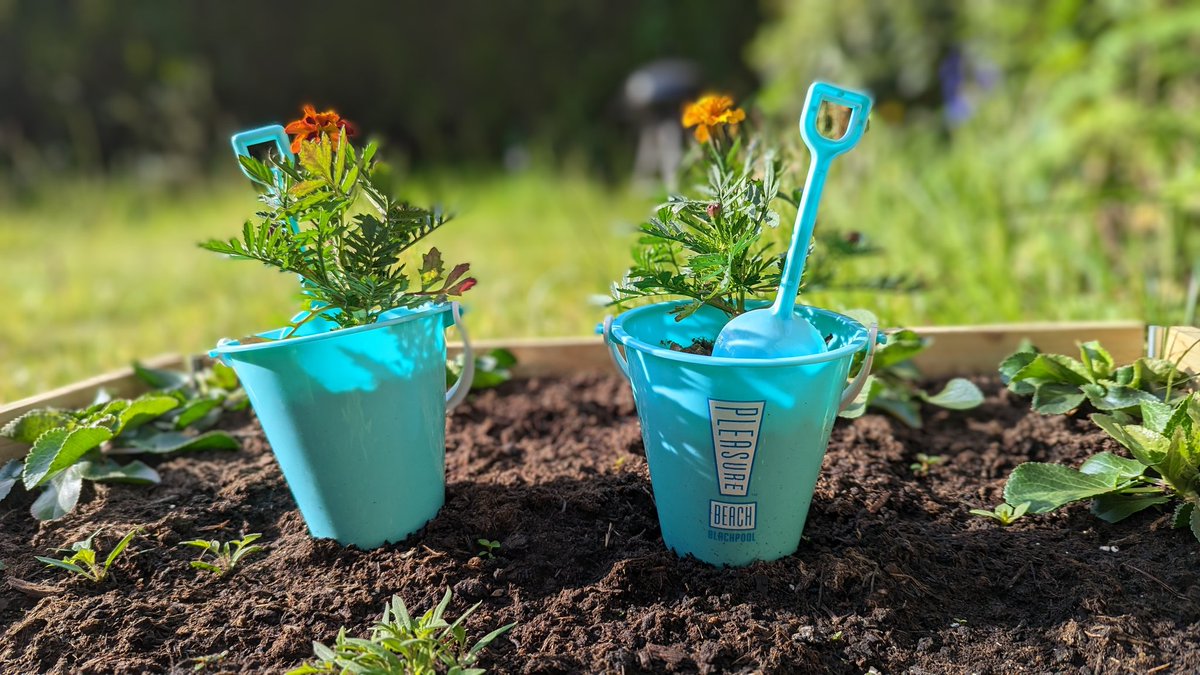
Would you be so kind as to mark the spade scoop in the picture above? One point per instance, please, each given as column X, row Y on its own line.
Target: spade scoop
column 833, row 120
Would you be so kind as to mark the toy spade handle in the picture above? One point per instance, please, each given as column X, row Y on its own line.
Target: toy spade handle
column 462, row 387
column 823, row 92
column 244, row 140
column 823, row 151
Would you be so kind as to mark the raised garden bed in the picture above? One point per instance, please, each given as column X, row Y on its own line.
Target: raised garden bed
column 894, row 573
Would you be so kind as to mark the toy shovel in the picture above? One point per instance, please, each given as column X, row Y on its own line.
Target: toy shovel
column 776, row 331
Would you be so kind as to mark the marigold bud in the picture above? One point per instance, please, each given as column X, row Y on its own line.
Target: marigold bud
column 713, row 209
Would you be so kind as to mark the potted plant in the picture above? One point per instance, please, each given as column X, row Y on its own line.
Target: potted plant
column 734, row 444
column 351, row 394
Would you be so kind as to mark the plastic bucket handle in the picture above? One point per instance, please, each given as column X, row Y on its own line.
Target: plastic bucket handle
column 454, row 396
column 462, row 387
column 848, row 394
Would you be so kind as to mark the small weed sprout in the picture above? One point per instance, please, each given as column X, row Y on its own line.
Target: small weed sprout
column 926, row 462
column 1004, row 513
column 209, row 661
column 402, row 645
column 82, row 560
column 226, row 556
column 489, row 548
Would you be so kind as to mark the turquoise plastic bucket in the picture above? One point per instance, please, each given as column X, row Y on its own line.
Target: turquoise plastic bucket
column 734, row 445
column 356, row 419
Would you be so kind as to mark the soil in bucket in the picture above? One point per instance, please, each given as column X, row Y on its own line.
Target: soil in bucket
column 894, row 574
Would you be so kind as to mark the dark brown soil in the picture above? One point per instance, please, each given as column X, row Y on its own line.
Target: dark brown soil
column 701, row 346
column 893, row 574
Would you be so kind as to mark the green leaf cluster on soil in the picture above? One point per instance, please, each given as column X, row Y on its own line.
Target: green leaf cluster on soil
column 401, row 644
column 1144, row 407
column 1060, row 383
column 71, row 446
column 892, row 385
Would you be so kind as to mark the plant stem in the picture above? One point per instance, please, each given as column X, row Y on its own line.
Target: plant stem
column 296, row 326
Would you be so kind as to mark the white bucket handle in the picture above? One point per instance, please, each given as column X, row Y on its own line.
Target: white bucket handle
column 462, row 387
column 617, row 357
column 852, row 390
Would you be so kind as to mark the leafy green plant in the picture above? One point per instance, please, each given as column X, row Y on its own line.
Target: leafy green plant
column 332, row 219
column 1165, row 451
column 70, row 446
column 225, row 556
column 1060, row 383
column 708, row 248
column 892, row 385
column 925, row 463
column 490, row 547
column 1004, row 513
column 82, row 560
column 491, row 369
column 204, row 394
column 400, row 644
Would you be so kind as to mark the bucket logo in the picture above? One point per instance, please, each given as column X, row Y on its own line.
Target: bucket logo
column 735, row 427
column 730, row 516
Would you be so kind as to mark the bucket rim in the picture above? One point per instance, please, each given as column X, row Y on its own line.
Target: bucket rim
column 233, row 347
column 629, row 342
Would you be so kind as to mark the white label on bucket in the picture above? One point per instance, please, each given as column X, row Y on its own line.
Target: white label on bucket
column 727, row 516
column 735, row 426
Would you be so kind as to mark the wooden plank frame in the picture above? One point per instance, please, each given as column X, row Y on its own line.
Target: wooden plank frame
column 1181, row 344
column 955, row 350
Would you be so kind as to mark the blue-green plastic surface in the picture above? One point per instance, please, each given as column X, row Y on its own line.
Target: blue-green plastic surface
column 698, row 413
column 356, row 419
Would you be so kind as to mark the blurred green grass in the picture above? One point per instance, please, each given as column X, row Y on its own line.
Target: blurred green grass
column 98, row 273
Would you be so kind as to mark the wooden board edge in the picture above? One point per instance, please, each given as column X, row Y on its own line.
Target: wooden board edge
column 955, row 350
column 1182, row 344
column 976, row 350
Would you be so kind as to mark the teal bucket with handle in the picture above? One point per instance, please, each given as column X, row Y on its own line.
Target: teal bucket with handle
column 734, row 445
column 356, row 418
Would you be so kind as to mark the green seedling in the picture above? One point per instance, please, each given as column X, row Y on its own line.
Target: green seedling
column 209, row 661
column 892, row 385
column 490, row 547
column 1060, row 383
column 926, row 462
column 82, row 560
column 225, row 556
column 400, row 644
column 1004, row 513
column 1164, row 468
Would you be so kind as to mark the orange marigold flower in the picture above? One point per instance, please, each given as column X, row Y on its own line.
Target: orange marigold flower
column 313, row 124
column 708, row 113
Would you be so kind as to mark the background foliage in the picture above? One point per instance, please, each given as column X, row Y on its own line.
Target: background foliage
column 1028, row 161
column 163, row 84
